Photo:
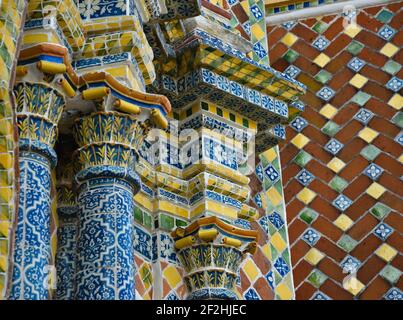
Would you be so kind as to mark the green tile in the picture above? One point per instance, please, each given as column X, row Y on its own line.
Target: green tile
column 384, row 16
column 302, row 158
column 380, row 210
column 308, row 215
column 291, row 56
column 398, row 119
column 355, row 47
column 347, row 243
column 323, row 76
column 181, row 223
column 338, row 184
column 147, row 220
column 392, row 67
column 331, row 128
column 320, row 27
column 138, row 215
column 370, row 152
column 167, row 222
column 274, row 253
column 361, row 98
column 316, row 278
column 390, row 274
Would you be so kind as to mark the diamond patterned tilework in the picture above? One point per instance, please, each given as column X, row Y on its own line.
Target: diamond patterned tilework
column 334, row 146
column 305, row 177
column 311, row 236
column 321, row 43
column 362, row 69
column 299, row 124
column 394, row 294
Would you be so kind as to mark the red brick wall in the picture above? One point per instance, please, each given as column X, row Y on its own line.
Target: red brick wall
column 371, row 230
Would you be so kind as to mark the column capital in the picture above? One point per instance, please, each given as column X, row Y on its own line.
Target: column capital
column 211, row 251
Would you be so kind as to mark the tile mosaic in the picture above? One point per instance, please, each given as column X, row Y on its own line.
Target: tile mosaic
column 350, row 264
column 322, row 60
column 308, row 215
column 276, row 220
column 391, row 274
column 353, row 285
column 281, row 266
column 292, row 71
column 368, row 134
column 391, row 67
column 347, row 243
column 399, row 138
column 379, row 210
column 300, row 140
column 389, row 50
column 375, row 190
column 363, row 115
column 384, row 16
column 355, row 47
column 358, row 81
column 370, row 152
column 396, row 101
column 317, row 278
column 331, row 128
column 271, row 173
column 306, row 195
column 343, row 222
column 336, row 164
column 314, row 256
column 338, row 184
column 323, row 76
column 251, row 294
column 328, row 111
column 361, row 98
column 320, row 296
column 302, row 158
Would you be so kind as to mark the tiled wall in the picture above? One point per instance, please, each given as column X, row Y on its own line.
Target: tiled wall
column 342, row 160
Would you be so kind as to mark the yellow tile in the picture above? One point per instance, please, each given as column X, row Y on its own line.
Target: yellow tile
column 300, row 140
column 328, row 111
column 353, row 285
column 358, row 81
column 172, row 275
column 314, row 256
column 343, row 222
column 306, row 195
column 375, row 190
column 251, row 270
column 278, row 242
column 4, row 228
column 266, row 251
column 352, row 30
column 321, row 60
column 386, row 252
column 270, row 154
column 289, row 39
column 368, row 134
column 3, row 263
column 389, row 50
column 274, row 197
column 396, row 101
column 401, row 158
column 284, row 292
column 336, row 164
column 257, row 31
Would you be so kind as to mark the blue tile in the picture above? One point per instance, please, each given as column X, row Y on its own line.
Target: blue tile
column 321, row 43
column 292, row 71
column 289, row 24
column 399, row 138
column 363, row 115
column 395, row 84
column 356, row 64
column 270, row 279
column 373, row 171
column 260, row 50
column 342, row 202
column 259, row 172
column 251, row 294
column 276, row 220
column 382, row 231
column 394, row 294
column 386, row 32
column 350, row 264
column 264, row 223
column 299, row 124
column 320, row 296
column 272, row 173
column 334, row 146
column 281, row 266
column 305, row 177
column 310, row 236
column 258, row 14
column 325, row 93
column 258, row 200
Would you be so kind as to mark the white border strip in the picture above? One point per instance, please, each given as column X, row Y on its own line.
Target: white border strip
column 322, row 10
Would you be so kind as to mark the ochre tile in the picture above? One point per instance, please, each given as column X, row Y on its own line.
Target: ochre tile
column 389, row 50
column 251, row 270
column 289, row 39
column 322, row 60
column 274, row 197
column 278, row 242
column 358, row 81
column 352, row 30
column 284, row 292
column 343, row 222
column 172, row 275
column 328, row 111
column 386, row 252
column 368, row 134
column 336, row 164
column 396, row 101
column 375, row 190
column 314, row 256
column 300, row 140
column 306, row 195
column 353, row 285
